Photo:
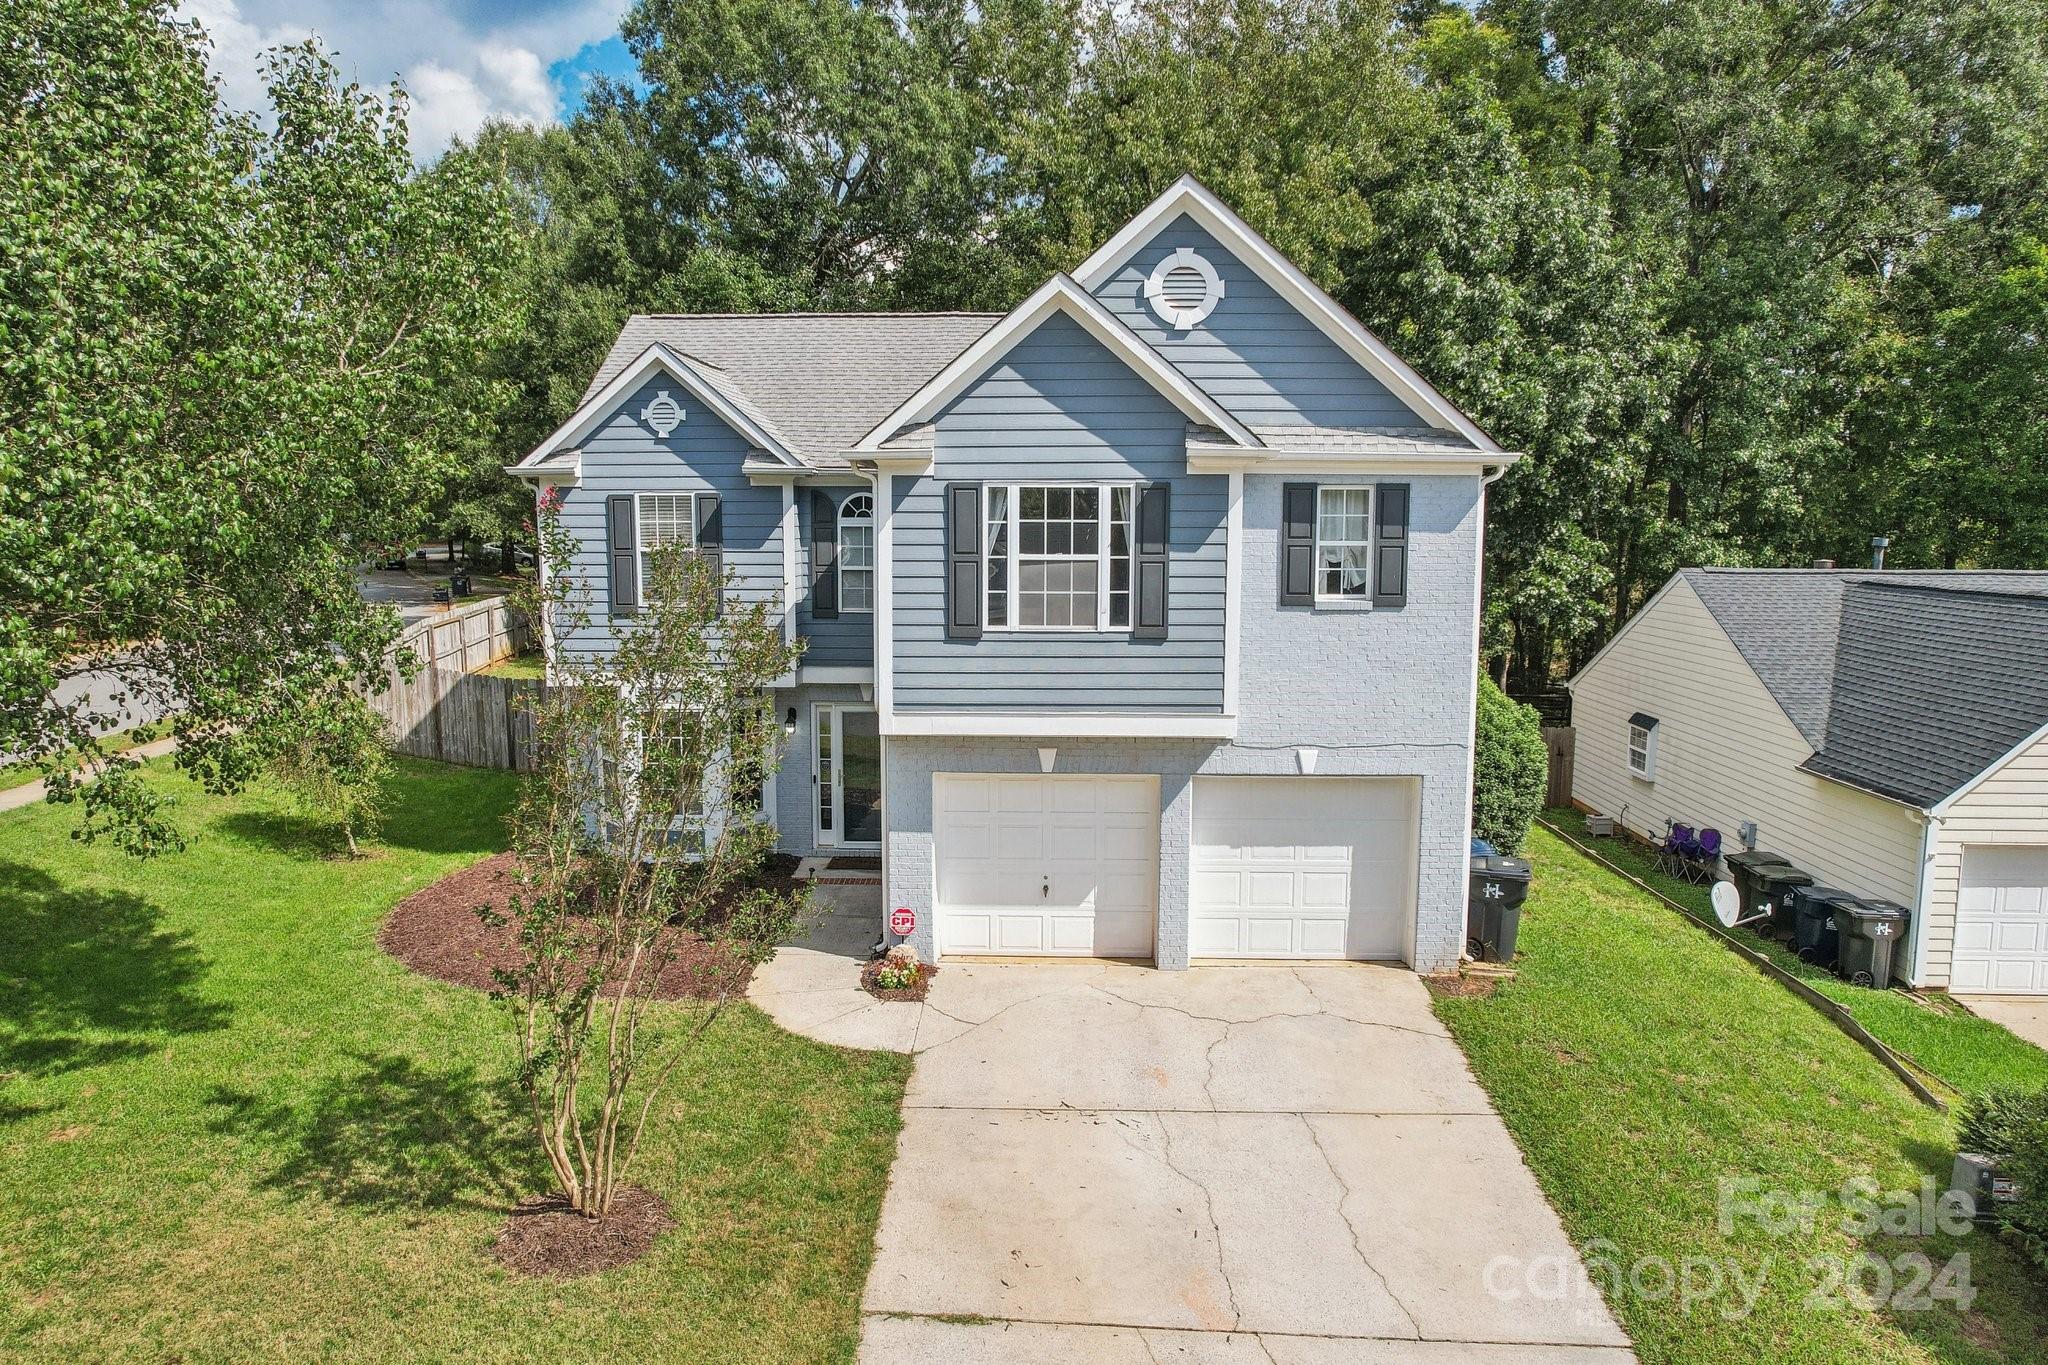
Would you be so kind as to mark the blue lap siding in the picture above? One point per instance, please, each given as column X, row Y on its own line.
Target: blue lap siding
column 1060, row 408
column 703, row 454
column 1254, row 354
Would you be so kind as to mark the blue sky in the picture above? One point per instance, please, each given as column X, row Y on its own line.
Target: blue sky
column 462, row 60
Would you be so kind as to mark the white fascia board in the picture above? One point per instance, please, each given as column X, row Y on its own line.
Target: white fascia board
column 1374, row 466
column 658, row 358
column 1189, row 196
column 859, row 674
column 1058, row 724
column 1058, row 294
column 566, row 475
column 1941, row 807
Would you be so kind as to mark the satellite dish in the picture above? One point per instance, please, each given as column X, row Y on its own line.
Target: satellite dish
column 1727, row 904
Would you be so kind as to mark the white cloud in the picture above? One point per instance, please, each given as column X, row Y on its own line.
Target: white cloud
column 459, row 69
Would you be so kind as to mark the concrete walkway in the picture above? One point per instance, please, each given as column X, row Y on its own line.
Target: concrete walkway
column 2026, row 1015
column 28, row 793
column 1103, row 1162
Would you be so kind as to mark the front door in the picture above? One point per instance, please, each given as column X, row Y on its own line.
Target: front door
column 848, row 768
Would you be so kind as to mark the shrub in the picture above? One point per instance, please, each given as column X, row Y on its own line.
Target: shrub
column 2013, row 1126
column 1510, row 768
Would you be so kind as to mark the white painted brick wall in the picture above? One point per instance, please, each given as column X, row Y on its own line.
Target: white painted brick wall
column 1377, row 692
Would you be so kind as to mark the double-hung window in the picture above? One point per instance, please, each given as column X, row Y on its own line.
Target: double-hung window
column 1642, row 746
column 1343, row 542
column 857, row 553
column 1059, row 556
column 665, row 519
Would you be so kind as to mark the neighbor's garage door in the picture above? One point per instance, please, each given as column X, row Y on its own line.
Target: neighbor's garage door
column 1052, row 865
column 1303, row 866
column 2002, row 922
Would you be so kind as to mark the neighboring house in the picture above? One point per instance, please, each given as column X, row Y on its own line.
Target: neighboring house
column 1140, row 621
column 1886, row 731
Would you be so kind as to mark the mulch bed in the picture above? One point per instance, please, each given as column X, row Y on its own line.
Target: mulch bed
column 910, row 994
column 544, row 1236
column 1456, row 985
column 437, row 932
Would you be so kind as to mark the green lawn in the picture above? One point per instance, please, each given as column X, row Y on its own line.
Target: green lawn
column 231, row 1128
column 1961, row 1051
column 1639, row 1062
column 530, row 666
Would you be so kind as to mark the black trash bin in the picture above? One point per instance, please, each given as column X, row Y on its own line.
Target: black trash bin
column 1814, row 934
column 1779, row 884
column 459, row 581
column 1748, row 871
column 1871, row 931
column 1493, row 908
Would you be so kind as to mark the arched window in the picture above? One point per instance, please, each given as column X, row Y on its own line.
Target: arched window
column 857, row 553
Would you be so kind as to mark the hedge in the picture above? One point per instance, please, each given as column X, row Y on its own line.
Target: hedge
column 2012, row 1125
column 1510, row 769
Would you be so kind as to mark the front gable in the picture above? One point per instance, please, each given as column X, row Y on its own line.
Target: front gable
column 1254, row 352
column 1270, row 344
column 1059, row 404
column 658, row 395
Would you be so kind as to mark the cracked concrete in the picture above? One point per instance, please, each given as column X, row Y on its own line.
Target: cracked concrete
column 1277, row 1165
column 1281, row 1164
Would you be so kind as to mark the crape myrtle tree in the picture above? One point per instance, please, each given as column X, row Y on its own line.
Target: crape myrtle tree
column 233, row 364
column 639, row 824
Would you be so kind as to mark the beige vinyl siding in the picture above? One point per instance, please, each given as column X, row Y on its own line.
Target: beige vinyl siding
column 2010, row 806
column 1725, row 754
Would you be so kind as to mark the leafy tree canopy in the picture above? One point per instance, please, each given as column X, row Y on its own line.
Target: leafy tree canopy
column 236, row 362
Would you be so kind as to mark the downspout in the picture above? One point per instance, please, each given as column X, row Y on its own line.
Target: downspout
column 1930, row 840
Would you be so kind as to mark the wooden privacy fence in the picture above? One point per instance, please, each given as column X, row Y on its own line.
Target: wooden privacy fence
column 1558, row 739
column 450, row 712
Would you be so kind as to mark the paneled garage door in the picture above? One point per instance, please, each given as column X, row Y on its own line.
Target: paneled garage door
column 2002, row 922
column 1300, row 867
column 1055, row 865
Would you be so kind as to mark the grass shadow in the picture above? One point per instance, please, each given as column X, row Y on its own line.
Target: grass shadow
column 294, row 836
column 89, row 976
column 390, row 1134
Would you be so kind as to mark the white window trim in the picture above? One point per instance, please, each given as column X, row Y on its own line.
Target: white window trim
column 874, row 554
column 1106, row 493
column 640, row 546
column 1648, row 771
column 1354, row 599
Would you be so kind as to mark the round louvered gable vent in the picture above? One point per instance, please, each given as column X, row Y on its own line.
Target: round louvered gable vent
column 1183, row 289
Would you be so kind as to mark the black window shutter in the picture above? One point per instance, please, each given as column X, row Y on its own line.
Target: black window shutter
column 1297, row 545
column 622, row 539
column 824, row 556
column 1154, row 536
column 1390, row 545
column 963, row 561
column 711, row 544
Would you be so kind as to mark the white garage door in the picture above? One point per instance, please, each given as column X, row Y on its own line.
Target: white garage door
column 2002, row 922
column 1296, row 867
column 1046, row 864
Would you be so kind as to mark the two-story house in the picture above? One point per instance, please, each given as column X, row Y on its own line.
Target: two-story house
column 1140, row 621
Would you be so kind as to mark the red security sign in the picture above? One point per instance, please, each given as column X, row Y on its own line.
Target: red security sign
column 902, row 921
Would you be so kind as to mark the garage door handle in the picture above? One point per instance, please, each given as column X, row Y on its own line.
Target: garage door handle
column 1045, row 890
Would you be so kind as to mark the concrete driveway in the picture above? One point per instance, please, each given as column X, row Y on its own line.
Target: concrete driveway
column 1264, row 1164
column 2026, row 1015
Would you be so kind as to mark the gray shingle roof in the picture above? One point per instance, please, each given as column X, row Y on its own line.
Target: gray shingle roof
column 1907, row 682
column 818, row 381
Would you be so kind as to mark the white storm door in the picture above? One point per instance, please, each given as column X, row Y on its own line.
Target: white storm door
column 846, row 773
column 1302, row 867
column 2001, row 943
column 1052, row 865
